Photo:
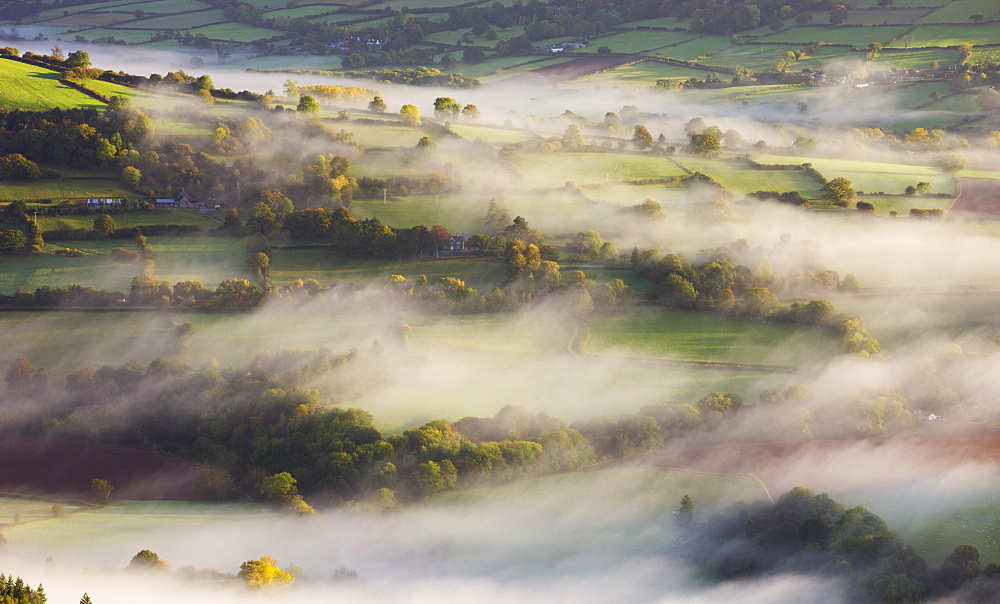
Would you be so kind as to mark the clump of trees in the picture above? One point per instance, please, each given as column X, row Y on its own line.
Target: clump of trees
column 811, row 533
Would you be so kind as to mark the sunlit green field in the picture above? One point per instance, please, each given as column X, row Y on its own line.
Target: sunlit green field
column 553, row 170
column 63, row 188
column 873, row 177
column 737, row 176
column 24, row 86
column 26, row 509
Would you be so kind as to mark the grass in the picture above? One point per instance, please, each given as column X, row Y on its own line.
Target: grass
column 156, row 522
column 32, row 88
column 638, row 41
column 383, row 135
column 28, row 509
column 122, row 221
column 901, row 204
column 495, row 136
column 643, row 500
column 948, row 35
column 758, row 57
column 288, row 265
column 936, row 518
column 960, row 11
column 693, row 49
column 475, row 70
column 858, row 37
column 642, row 72
column 700, row 336
column 873, row 177
column 735, row 175
column 895, row 16
column 181, row 21
column 553, row 170
column 235, row 32
column 65, row 188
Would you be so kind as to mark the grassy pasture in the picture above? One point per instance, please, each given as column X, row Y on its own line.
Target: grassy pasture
column 873, row 177
column 759, row 57
column 90, row 19
column 643, row 72
column 693, row 49
column 235, row 32
column 670, row 22
column 206, row 259
column 183, row 21
column 187, row 217
column 489, row 66
column 736, row 175
column 521, row 68
column 32, row 88
column 454, row 211
column 496, row 136
column 960, row 11
column 901, row 204
column 903, row 3
column 310, row 11
column 896, row 16
column 381, row 135
column 29, row 510
column 153, row 520
column 638, row 41
column 131, row 36
column 660, row 333
column 935, row 519
column 858, row 37
column 64, row 188
column 111, row 89
column 553, row 170
column 948, row 35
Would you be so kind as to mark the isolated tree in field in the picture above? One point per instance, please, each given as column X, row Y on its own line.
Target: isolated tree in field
column 641, row 138
column 704, row 145
column 377, row 105
column 684, row 516
column 954, row 162
column 147, row 560
column 78, row 59
column 446, row 108
column 426, row 145
column 840, row 191
column 410, row 115
column 86, row 598
column 264, row 572
column 470, row 113
column 838, row 14
column 307, row 104
column 20, row 375
column 104, row 225
column 497, row 217
column 695, row 125
column 260, row 264
column 102, row 489
column 572, row 140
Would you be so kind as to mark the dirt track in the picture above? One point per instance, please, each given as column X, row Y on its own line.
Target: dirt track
column 64, row 468
column 979, row 198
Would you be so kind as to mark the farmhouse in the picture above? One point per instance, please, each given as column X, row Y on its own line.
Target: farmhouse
column 455, row 243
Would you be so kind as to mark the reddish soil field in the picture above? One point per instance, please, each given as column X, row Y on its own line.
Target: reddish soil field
column 569, row 70
column 836, row 465
column 979, row 198
column 64, row 468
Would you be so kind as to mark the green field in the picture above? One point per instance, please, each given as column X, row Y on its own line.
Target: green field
column 494, row 136
column 873, row 177
column 693, row 49
column 960, row 11
column 657, row 333
column 948, row 35
column 894, row 16
column 758, row 57
column 29, row 510
column 858, row 37
column 385, row 135
column 735, row 175
column 936, row 519
column 643, row 72
column 123, row 221
column 638, row 41
column 64, row 188
column 28, row 87
column 234, row 32
column 553, row 170
column 152, row 521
